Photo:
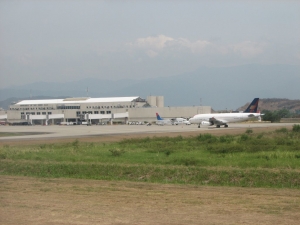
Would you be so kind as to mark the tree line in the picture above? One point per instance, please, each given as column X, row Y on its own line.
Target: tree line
column 275, row 116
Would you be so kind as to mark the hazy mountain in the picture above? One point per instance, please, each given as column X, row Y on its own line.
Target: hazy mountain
column 7, row 102
column 221, row 88
column 273, row 104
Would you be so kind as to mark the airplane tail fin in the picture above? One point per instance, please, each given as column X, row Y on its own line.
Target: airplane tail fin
column 158, row 117
column 252, row 108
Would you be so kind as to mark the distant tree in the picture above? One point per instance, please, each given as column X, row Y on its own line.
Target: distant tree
column 275, row 116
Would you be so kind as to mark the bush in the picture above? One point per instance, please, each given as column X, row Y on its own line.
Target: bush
column 249, row 131
column 282, row 130
column 206, row 138
column 244, row 137
column 232, row 148
column 296, row 128
column 168, row 152
column 117, row 152
column 226, row 139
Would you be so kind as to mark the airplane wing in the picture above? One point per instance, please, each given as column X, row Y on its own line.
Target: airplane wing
column 216, row 121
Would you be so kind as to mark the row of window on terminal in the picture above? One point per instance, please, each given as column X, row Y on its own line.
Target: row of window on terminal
column 36, row 113
column 91, row 112
column 73, row 107
column 77, row 113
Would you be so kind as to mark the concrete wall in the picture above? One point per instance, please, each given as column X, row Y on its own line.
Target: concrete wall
column 160, row 101
column 151, row 100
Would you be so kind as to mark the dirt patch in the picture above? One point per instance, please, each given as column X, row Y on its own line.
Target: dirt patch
column 72, row 201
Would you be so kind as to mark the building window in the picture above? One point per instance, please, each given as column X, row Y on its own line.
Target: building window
column 38, row 113
column 96, row 112
column 43, row 113
column 102, row 112
column 108, row 112
column 49, row 113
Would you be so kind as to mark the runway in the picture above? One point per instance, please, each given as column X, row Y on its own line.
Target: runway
column 56, row 131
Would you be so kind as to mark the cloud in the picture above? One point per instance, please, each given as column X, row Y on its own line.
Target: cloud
column 249, row 49
column 157, row 43
column 153, row 46
column 195, row 47
column 151, row 53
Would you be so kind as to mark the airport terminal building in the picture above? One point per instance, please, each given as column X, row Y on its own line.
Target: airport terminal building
column 96, row 110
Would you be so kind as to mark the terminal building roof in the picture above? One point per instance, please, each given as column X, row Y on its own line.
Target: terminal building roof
column 79, row 100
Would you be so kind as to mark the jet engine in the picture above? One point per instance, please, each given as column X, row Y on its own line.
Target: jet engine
column 205, row 123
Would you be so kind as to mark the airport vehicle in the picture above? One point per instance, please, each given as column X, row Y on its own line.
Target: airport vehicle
column 220, row 119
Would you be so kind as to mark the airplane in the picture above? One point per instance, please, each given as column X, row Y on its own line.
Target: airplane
column 220, row 119
column 176, row 121
column 160, row 121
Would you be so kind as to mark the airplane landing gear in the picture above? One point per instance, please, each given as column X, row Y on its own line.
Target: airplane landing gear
column 199, row 126
column 225, row 125
column 218, row 126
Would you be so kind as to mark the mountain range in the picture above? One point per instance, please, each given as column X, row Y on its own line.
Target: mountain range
column 218, row 87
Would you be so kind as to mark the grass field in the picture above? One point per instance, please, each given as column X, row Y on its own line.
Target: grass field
column 269, row 159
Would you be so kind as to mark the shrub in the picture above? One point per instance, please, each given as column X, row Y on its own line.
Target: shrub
column 244, row 137
column 226, row 139
column 117, row 152
column 296, row 128
column 259, row 136
column 168, row 152
column 2, row 155
column 282, row 130
column 206, row 138
column 232, row 148
column 249, row 131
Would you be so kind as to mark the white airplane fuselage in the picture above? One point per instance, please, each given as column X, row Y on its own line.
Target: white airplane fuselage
column 163, row 122
column 219, row 119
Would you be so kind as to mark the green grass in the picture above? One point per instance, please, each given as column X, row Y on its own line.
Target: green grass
column 250, row 160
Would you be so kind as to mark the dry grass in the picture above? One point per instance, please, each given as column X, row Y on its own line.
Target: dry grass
column 70, row 201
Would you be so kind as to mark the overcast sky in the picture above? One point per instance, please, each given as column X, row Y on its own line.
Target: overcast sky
column 74, row 39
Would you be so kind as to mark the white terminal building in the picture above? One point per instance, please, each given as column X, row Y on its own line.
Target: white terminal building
column 96, row 110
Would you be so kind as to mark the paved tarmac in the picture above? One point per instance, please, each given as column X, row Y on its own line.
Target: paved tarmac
column 56, row 131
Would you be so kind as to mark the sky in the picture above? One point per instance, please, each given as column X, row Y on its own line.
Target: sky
column 67, row 40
